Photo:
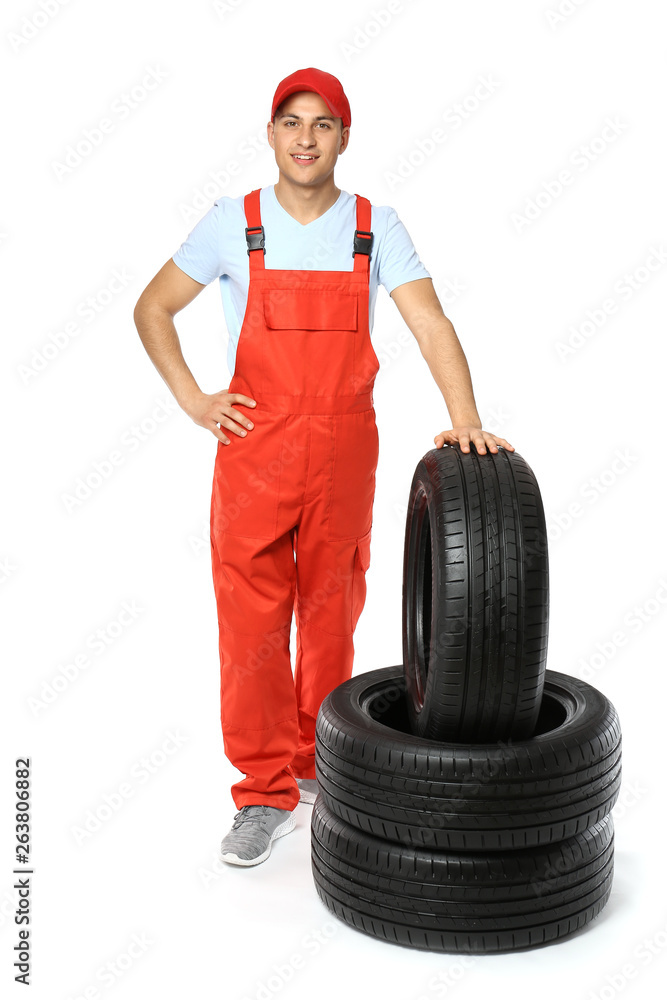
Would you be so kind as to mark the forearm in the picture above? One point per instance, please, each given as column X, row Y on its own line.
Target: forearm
column 158, row 335
column 444, row 355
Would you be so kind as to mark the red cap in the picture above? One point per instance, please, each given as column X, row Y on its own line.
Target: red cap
column 327, row 86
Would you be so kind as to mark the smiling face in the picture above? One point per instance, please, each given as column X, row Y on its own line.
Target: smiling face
column 307, row 139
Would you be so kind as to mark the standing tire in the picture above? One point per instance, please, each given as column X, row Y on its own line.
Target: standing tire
column 457, row 902
column 378, row 777
column 475, row 597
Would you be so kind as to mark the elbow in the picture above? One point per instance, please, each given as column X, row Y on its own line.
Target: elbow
column 145, row 307
column 140, row 306
column 438, row 338
column 429, row 325
column 423, row 334
column 144, row 315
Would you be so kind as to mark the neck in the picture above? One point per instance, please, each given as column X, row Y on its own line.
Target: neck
column 303, row 203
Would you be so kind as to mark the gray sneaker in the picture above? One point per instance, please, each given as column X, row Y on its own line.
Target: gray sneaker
column 309, row 789
column 252, row 833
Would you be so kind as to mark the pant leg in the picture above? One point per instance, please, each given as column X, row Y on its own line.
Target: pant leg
column 255, row 582
column 331, row 593
column 331, row 570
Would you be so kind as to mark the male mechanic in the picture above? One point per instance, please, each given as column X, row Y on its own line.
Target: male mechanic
column 299, row 264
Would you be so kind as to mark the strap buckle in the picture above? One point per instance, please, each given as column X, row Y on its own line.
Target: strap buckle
column 254, row 236
column 363, row 241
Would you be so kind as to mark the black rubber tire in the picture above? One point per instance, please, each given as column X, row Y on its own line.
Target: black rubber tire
column 460, row 902
column 374, row 774
column 475, row 596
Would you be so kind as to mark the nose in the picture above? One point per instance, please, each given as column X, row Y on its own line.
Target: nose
column 307, row 137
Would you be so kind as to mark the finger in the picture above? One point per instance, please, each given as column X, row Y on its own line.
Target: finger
column 477, row 438
column 240, row 417
column 445, row 437
column 464, row 441
column 505, row 443
column 238, row 428
column 240, row 398
column 232, row 425
column 215, row 430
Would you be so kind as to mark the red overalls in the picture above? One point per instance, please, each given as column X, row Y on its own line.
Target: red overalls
column 301, row 482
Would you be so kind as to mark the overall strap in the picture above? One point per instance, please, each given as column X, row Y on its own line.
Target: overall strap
column 363, row 237
column 254, row 233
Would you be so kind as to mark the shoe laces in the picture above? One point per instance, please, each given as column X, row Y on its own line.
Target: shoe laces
column 246, row 817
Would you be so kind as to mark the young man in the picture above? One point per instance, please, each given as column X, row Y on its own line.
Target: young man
column 299, row 264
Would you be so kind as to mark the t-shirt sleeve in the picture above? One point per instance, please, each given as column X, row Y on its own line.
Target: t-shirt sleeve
column 399, row 261
column 200, row 255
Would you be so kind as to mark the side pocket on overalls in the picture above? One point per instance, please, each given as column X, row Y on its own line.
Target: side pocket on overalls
column 362, row 561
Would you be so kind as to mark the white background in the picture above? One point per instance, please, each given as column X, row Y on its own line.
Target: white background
column 141, row 536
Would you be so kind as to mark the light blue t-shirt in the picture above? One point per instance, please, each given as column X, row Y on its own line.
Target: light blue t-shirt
column 216, row 248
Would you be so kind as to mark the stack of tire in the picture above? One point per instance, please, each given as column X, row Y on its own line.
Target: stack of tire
column 465, row 795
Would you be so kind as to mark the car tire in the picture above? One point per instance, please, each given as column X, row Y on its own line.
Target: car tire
column 444, row 901
column 377, row 776
column 475, row 596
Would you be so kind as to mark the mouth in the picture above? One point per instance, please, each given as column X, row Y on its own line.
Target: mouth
column 303, row 158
